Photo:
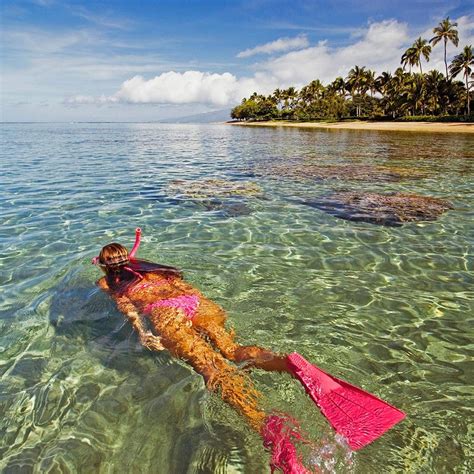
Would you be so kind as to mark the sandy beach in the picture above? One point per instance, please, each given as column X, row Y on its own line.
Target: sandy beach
column 432, row 127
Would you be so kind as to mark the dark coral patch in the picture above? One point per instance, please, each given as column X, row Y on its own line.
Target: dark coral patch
column 383, row 209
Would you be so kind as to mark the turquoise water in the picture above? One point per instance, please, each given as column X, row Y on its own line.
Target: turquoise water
column 387, row 308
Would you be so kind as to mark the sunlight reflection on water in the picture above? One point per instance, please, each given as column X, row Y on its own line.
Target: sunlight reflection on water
column 390, row 309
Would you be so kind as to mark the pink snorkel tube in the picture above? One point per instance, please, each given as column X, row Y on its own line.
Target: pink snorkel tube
column 138, row 236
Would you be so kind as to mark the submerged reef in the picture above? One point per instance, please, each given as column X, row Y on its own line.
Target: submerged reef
column 383, row 209
column 340, row 172
column 214, row 194
column 214, row 188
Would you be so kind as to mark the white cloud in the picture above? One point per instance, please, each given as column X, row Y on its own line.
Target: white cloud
column 279, row 45
column 379, row 48
column 43, row 43
column 88, row 100
column 51, row 64
column 105, row 20
column 180, row 88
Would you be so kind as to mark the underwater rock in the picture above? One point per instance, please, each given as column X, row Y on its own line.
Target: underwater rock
column 214, row 188
column 230, row 198
column 227, row 208
column 383, row 209
column 348, row 172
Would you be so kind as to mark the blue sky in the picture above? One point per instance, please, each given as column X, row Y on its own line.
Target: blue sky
column 147, row 60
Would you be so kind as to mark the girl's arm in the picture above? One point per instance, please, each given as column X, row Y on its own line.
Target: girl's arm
column 125, row 306
column 148, row 340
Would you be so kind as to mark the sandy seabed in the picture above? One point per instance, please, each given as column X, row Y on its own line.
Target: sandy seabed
column 441, row 127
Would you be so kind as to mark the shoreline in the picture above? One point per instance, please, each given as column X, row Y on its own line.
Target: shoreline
column 432, row 127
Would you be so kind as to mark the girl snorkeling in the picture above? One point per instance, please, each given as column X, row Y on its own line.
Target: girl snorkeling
column 168, row 313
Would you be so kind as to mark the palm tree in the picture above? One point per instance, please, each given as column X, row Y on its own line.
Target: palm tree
column 312, row 91
column 382, row 81
column 316, row 88
column 277, row 94
column 356, row 83
column 463, row 62
column 413, row 93
column 394, row 100
column 422, row 48
column 355, row 79
column 289, row 97
column 435, row 90
column 409, row 57
column 370, row 81
column 311, row 103
column 278, row 99
column 337, row 86
column 412, row 56
column 445, row 31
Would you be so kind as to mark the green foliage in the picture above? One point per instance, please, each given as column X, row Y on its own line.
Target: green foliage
column 439, row 118
column 388, row 96
column 363, row 95
column 464, row 63
column 258, row 107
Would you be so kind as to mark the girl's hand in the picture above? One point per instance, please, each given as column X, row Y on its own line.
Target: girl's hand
column 150, row 341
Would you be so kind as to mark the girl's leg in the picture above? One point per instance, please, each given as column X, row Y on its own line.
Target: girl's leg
column 210, row 322
column 262, row 358
column 233, row 385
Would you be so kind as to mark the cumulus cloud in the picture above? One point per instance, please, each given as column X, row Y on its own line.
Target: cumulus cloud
column 277, row 46
column 379, row 48
column 180, row 88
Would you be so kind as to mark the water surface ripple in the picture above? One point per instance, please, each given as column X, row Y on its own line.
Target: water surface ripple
column 390, row 309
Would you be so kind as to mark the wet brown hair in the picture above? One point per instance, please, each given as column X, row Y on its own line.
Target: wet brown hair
column 113, row 259
column 113, row 256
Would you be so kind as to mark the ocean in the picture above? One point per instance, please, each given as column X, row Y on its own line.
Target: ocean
column 389, row 308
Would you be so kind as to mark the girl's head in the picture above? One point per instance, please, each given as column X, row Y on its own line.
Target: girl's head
column 114, row 260
column 112, row 257
column 121, row 268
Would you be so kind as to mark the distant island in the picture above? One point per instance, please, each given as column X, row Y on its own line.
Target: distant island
column 404, row 95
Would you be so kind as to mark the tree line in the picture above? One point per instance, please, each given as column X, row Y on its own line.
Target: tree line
column 406, row 92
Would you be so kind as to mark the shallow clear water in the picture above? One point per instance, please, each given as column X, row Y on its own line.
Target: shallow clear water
column 387, row 308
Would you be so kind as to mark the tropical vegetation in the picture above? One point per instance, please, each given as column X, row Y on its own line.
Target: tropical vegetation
column 407, row 92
